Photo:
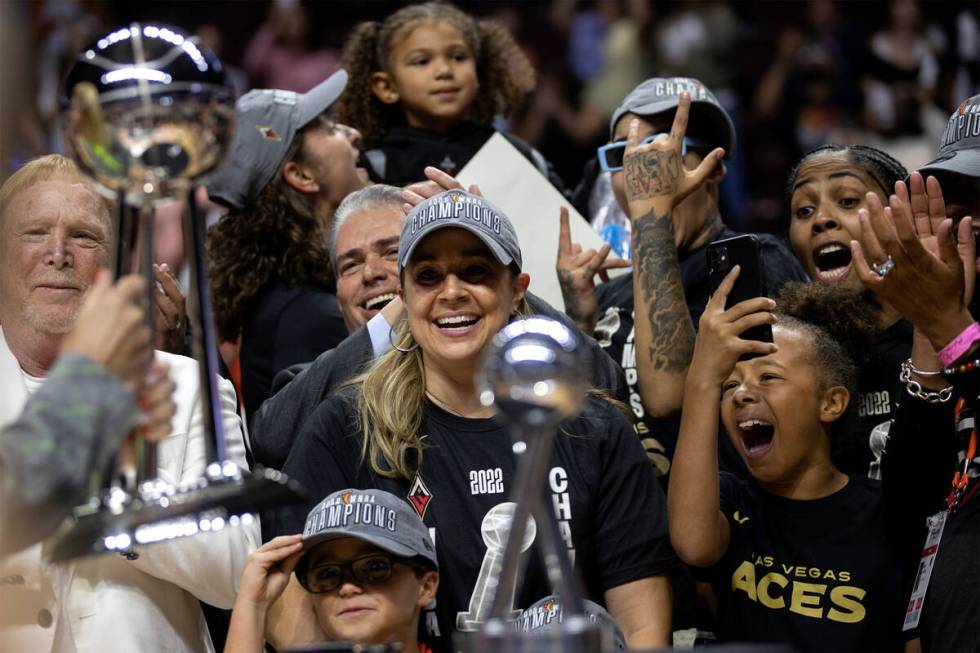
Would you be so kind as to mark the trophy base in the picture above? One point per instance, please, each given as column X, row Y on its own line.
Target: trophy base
column 224, row 496
column 576, row 634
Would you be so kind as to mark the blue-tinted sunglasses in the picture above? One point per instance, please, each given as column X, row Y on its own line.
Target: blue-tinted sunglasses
column 611, row 154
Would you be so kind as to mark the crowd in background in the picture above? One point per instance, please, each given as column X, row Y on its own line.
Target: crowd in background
column 793, row 75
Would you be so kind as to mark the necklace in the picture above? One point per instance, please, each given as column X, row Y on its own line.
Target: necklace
column 443, row 404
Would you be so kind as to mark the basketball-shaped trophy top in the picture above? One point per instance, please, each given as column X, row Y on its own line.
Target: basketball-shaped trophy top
column 147, row 109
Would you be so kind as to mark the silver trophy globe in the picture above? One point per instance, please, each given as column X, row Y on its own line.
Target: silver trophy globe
column 147, row 112
column 535, row 373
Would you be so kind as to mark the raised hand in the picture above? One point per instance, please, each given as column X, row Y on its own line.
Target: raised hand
column 438, row 182
column 576, row 274
column 718, row 345
column 267, row 570
column 655, row 176
column 929, row 280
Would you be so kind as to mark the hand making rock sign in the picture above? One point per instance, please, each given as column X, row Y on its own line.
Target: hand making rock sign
column 655, row 175
column 577, row 269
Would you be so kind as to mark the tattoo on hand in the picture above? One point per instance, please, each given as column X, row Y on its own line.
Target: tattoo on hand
column 569, row 295
column 658, row 275
column 651, row 173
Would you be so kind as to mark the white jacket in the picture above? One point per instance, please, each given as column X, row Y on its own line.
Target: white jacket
column 108, row 603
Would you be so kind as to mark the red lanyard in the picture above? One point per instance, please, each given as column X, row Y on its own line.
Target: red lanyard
column 961, row 477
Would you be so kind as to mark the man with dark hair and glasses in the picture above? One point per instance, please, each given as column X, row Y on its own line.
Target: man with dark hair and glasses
column 367, row 564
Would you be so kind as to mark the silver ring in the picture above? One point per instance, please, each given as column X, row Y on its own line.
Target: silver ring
column 882, row 269
column 176, row 325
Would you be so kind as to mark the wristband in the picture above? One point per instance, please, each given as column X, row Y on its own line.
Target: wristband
column 958, row 346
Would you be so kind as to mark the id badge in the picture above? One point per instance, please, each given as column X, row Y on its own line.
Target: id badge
column 936, row 524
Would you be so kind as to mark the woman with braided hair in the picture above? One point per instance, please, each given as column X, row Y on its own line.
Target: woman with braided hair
column 826, row 191
column 426, row 85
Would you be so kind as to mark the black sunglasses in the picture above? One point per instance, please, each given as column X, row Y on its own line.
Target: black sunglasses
column 369, row 570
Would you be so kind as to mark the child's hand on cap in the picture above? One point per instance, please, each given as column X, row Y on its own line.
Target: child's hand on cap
column 267, row 570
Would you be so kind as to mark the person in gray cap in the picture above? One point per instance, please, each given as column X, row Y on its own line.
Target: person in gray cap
column 413, row 424
column 289, row 168
column 366, row 230
column 367, row 566
column 957, row 165
column 668, row 288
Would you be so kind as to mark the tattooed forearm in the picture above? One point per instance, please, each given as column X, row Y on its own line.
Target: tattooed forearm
column 650, row 173
column 658, row 277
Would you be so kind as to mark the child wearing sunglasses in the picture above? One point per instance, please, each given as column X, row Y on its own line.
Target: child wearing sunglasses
column 367, row 562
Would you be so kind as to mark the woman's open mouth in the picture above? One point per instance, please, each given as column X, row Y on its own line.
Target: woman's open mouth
column 833, row 262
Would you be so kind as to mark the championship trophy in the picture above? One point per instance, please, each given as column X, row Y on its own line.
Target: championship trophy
column 535, row 373
column 147, row 112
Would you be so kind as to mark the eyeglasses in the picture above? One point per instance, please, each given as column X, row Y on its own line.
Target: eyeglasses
column 611, row 154
column 369, row 570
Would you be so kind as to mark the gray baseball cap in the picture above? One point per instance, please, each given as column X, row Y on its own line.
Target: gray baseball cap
column 268, row 120
column 545, row 615
column 374, row 516
column 662, row 94
column 457, row 208
column 959, row 151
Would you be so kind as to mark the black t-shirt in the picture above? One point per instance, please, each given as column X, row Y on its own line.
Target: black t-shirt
column 405, row 151
column 857, row 449
column 611, row 512
column 923, row 452
column 822, row 575
column 951, row 616
column 285, row 326
column 614, row 331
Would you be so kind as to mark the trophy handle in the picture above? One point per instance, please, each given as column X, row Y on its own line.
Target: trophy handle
column 202, row 325
column 134, row 247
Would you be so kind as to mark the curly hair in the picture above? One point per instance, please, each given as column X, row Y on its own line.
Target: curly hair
column 883, row 167
column 278, row 237
column 841, row 324
column 505, row 74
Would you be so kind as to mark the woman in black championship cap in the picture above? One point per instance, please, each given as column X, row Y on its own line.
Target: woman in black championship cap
column 413, row 425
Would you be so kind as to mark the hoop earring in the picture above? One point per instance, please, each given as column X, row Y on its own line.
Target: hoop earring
column 397, row 348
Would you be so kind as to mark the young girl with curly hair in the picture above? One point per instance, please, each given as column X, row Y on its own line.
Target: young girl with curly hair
column 799, row 552
column 426, row 84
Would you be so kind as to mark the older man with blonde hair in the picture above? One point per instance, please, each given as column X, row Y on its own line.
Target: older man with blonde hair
column 55, row 235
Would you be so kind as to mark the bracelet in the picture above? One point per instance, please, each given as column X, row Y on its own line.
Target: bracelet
column 963, row 368
column 915, row 370
column 959, row 345
column 915, row 388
